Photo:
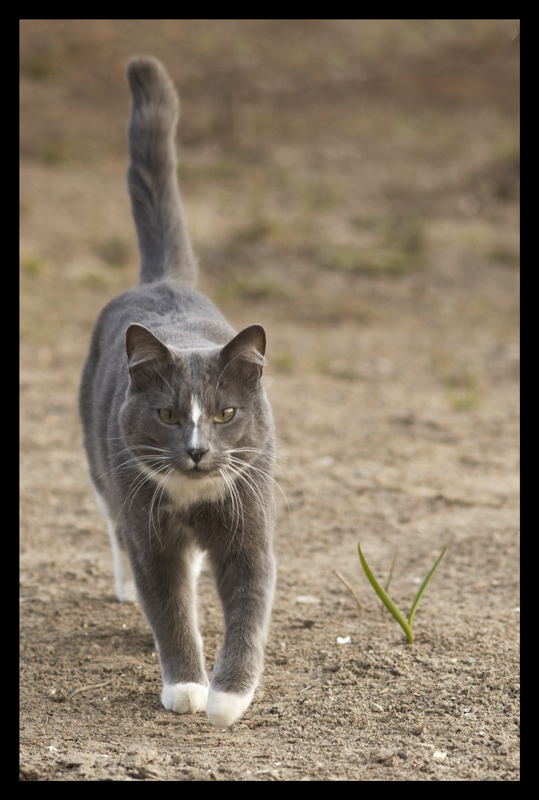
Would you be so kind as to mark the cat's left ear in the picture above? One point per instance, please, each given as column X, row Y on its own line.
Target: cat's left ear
column 246, row 350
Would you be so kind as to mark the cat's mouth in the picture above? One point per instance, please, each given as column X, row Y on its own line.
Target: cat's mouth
column 197, row 473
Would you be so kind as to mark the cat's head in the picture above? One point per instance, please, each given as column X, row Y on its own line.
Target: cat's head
column 194, row 419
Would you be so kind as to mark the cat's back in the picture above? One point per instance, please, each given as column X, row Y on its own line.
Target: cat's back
column 182, row 317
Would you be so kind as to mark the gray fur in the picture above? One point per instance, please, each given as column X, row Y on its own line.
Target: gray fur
column 164, row 243
column 173, row 490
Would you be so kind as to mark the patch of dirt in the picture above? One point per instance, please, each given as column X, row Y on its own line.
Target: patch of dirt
column 353, row 186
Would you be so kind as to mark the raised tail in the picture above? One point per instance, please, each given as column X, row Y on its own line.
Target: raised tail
column 164, row 243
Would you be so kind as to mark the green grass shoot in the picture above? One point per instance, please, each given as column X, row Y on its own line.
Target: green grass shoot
column 406, row 624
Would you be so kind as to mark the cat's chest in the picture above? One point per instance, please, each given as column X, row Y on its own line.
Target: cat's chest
column 178, row 493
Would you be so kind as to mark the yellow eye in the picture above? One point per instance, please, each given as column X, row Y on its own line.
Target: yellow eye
column 225, row 415
column 169, row 416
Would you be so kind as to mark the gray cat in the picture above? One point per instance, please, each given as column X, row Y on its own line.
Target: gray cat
column 179, row 437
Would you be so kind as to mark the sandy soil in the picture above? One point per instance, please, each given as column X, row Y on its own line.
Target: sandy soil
column 353, row 186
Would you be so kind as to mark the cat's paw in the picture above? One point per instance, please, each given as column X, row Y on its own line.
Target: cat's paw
column 224, row 708
column 126, row 592
column 184, row 698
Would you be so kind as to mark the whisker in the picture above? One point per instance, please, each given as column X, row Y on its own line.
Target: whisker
column 158, row 495
column 138, row 482
column 266, row 474
column 256, row 493
column 236, row 505
column 164, row 454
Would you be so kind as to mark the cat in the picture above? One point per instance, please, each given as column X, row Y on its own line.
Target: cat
column 179, row 437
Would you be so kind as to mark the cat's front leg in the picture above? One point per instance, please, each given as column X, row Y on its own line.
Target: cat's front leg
column 246, row 594
column 226, row 708
column 184, row 698
column 166, row 582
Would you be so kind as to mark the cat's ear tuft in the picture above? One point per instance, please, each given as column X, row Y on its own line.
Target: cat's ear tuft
column 144, row 351
column 246, row 348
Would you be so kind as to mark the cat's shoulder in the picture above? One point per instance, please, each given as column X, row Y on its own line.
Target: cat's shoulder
column 163, row 305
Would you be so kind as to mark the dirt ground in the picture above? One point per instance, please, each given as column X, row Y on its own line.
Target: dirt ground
column 353, row 186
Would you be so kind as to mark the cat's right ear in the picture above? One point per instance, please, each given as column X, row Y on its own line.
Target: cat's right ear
column 145, row 353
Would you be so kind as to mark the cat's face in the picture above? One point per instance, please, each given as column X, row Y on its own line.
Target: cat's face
column 194, row 421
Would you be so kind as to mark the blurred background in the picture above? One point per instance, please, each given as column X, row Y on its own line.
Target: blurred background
column 315, row 157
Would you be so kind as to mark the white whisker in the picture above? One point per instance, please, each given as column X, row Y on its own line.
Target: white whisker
column 240, row 470
column 265, row 473
column 158, row 494
column 146, row 469
column 236, row 505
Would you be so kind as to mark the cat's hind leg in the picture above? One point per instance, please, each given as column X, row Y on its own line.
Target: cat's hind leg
column 123, row 576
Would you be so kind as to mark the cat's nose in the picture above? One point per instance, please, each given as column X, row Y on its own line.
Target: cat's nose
column 196, row 453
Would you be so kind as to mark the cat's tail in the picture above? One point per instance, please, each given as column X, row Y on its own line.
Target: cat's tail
column 164, row 243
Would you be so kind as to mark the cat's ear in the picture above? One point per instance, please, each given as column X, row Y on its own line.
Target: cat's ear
column 145, row 352
column 246, row 351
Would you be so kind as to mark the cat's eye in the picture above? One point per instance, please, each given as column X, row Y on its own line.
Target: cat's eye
column 225, row 415
column 169, row 416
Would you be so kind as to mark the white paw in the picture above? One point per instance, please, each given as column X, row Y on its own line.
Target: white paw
column 184, row 698
column 126, row 592
column 123, row 577
column 224, row 708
